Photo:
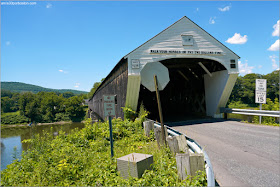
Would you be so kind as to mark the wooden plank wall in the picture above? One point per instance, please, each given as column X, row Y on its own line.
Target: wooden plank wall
column 114, row 84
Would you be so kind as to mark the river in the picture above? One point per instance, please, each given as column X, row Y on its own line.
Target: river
column 11, row 139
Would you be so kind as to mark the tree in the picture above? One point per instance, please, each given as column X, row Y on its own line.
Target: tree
column 6, row 104
column 94, row 88
column 51, row 104
column 74, row 108
column 6, row 93
column 68, row 94
column 29, row 105
column 272, row 85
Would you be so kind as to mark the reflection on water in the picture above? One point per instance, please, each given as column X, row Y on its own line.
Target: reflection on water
column 11, row 139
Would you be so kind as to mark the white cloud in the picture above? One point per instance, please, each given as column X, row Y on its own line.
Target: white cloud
column 260, row 66
column 224, row 9
column 197, row 9
column 276, row 29
column 245, row 68
column 8, row 43
column 63, row 71
column 49, row 5
column 237, row 39
column 77, row 85
column 212, row 20
column 275, row 46
column 273, row 60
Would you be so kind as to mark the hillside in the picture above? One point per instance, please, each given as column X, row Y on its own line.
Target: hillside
column 23, row 87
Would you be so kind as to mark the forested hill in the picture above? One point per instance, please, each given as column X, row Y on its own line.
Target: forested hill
column 23, row 87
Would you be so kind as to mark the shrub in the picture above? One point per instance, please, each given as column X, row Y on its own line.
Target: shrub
column 13, row 118
column 82, row 158
column 129, row 113
column 270, row 105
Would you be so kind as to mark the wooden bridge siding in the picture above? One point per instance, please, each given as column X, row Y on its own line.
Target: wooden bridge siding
column 115, row 84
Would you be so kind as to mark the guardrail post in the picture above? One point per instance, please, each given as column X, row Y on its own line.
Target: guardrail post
column 225, row 116
column 148, row 126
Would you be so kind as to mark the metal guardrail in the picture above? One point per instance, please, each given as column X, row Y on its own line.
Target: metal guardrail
column 195, row 148
column 269, row 113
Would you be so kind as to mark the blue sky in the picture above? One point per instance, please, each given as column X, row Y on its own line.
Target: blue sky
column 71, row 45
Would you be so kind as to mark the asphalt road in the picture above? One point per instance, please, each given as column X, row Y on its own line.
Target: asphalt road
column 241, row 154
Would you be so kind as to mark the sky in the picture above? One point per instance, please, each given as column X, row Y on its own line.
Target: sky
column 73, row 44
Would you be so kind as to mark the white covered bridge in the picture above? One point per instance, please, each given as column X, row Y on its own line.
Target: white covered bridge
column 202, row 73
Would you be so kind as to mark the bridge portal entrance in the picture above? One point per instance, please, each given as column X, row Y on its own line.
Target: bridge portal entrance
column 184, row 96
column 202, row 73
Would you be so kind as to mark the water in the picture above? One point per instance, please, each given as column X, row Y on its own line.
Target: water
column 11, row 139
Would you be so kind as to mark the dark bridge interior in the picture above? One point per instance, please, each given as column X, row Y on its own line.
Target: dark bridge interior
column 184, row 96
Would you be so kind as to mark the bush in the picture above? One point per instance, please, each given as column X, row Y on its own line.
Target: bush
column 82, row 158
column 270, row 105
column 129, row 113
column 13, row 118
column 61, row 117
column 237, row 104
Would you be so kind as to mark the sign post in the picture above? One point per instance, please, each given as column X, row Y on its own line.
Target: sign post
column 260, row 93
column 160, row 110
column 155, row 77
column 109, row 110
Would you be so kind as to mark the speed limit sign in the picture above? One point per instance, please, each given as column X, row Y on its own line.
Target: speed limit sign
column 260, row 91
column 260, row 97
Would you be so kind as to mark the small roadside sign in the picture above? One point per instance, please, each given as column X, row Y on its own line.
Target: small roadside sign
column 109, row 110
column 260, row 97
column 260, row 94
column 109, row 105
column 261, row 85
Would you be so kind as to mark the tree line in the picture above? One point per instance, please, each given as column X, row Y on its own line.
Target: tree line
column 23, row 87
column 44, row 107
column 244, row 89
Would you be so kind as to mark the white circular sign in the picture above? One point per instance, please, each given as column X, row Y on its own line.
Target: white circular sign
column 148, row 72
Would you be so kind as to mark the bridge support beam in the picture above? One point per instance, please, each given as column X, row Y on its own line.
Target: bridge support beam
column 217, row 91
column 132, row 94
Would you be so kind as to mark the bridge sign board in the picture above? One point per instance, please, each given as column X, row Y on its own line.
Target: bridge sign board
column 109, row 105
column 260, row 91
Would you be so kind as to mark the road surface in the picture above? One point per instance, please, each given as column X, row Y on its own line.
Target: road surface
column 241, row 154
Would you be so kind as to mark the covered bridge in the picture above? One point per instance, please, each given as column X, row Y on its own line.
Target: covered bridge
column 202, row 74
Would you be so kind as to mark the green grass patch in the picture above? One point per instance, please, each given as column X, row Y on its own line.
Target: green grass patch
column 12, row 118
column 82, row 158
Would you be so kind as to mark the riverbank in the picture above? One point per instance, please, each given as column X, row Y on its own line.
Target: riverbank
column 37, row 124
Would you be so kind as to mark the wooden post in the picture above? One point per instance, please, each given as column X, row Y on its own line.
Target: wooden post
column 160, row 110
column 196, row 163
column 178, row 144
column 173, row 144
column 158, row 135
column 183, row 165
column 148, row 126
column 182, row 142
column 189, row 164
